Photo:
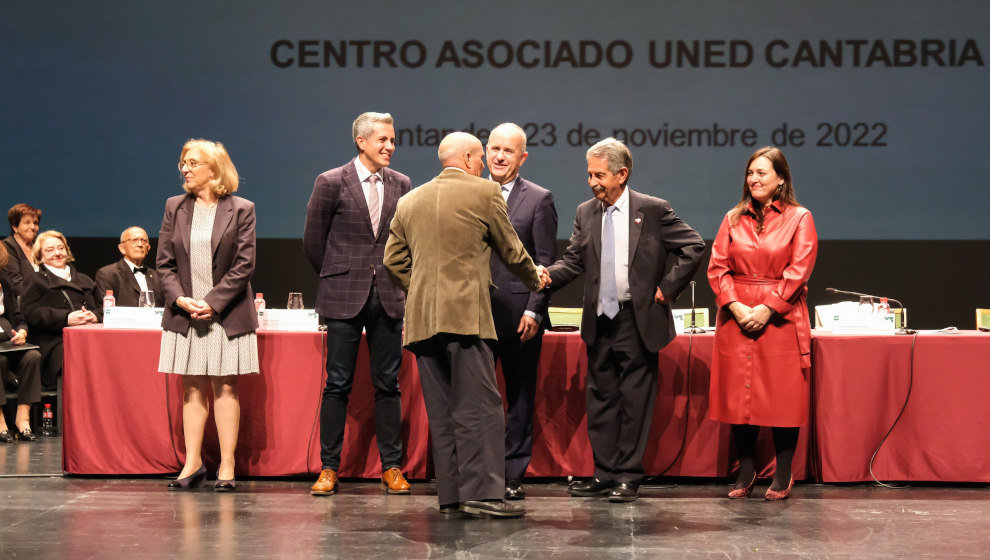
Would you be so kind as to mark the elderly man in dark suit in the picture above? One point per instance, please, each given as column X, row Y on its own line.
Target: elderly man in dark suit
column 622, row 240
column 128, row 277
column 347, row 224
column 520, row 315
column 440, row 250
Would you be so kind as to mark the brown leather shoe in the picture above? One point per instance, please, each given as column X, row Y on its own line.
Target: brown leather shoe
column 326, row 485
column 393, row 482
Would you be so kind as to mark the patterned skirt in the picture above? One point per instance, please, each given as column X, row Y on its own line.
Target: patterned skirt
column 206, row 350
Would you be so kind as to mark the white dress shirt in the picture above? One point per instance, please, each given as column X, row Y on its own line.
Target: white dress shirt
column 620, row 227
column 139, row 276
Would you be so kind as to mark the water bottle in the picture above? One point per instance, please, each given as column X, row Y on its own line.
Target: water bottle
column 48, row 420
column 884, row 308
column 883, row 311
column 109, row 301
column 259, row 302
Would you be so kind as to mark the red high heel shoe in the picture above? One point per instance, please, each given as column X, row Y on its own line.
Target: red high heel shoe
column 781, row 495
column 743, row 492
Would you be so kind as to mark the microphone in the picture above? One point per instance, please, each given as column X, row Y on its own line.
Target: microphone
column 694, row 328
column 902, row 330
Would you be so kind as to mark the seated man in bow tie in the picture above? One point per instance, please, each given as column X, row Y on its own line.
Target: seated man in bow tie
column 128, row 277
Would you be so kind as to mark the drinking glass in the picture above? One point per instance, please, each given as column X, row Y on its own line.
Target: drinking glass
column 295, row 301
column 866, row 306
column 146, row 299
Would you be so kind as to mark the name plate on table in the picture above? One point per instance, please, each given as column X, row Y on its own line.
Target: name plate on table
column 565, row 319
column 849, row 317
column 299, row 320
column 682, row 318
column 133, row 317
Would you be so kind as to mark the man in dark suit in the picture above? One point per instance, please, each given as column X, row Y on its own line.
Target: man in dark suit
column 621, row 242
column 440, row 250
column 520, row 315
column 128, row 277
column 347, row 224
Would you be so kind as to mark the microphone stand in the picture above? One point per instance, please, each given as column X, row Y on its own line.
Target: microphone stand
column 694, row 328
column 902, row 330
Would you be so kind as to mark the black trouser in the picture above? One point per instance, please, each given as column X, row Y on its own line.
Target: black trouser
column 520, row 363
column 385, row 352
column 622, row 388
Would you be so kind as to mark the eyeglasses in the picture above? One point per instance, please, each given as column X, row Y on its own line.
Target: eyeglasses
column 138, row 241
column 190, row 164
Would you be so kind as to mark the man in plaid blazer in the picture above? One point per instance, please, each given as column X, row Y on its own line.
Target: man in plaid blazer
column 347, row 225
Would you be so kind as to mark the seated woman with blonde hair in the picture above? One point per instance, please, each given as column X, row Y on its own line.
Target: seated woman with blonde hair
column 58, row 296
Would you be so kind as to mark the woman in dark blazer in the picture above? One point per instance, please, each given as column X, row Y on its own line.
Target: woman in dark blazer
column 24, row 366
column 58, row 296
column 21, row 266
column 206, row 257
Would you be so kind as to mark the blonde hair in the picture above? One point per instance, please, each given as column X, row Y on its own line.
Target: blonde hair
column 225, row 180
column 36, row 249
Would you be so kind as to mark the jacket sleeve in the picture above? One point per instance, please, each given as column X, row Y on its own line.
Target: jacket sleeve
column 234, row 282
column 398, row 258
column 544, row 247
column 106, row 279
column 571, row 264
column 507, row 246
column 168, row 274
column 682, row 240
column 719, row 273
column 42, row 318
column 319, row 217
column 804, row 251
column 13, row 268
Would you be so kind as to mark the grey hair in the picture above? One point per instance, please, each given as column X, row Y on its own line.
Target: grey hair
column 364, row 125
column 615, row 153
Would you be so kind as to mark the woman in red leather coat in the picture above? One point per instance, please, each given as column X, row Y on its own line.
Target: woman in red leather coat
column 761, row 260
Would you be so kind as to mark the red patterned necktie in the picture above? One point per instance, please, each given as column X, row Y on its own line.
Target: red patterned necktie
column 374, row 203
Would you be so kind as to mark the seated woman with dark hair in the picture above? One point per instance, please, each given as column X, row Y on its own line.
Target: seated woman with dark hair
column 58, row 296
column 20, row 367
column 21, row 265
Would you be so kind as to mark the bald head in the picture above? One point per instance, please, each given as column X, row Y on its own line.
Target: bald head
column 506, row 152
column 134, row 245
column 463, row 151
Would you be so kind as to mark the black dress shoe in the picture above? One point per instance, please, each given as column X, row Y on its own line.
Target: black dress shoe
column 496, row 508
column 451, row 508
column 624, row 492
column 590, row 488
column 28, row 435
column 5, row 437
column 514, row 490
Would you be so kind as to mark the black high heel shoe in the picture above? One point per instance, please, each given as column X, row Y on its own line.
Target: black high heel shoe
column 225, row 485
column 28, row 435
column 189, row 482
column 5, row 437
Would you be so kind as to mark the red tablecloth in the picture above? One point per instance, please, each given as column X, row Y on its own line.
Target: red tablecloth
column 860, row 385
column 123, row 417
column 561, row 445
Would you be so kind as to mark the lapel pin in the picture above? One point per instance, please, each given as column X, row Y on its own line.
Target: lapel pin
column 638, row 220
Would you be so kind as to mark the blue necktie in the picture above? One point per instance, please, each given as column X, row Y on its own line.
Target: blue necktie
column 609, row 293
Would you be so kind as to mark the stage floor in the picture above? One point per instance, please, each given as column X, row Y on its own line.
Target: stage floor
column 45, row 515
